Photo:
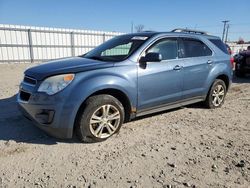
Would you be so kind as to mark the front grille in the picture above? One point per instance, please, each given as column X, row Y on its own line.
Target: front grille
column 29, row 80
column 24, row 96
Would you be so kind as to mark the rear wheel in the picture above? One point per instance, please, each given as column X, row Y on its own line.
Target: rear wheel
column 216, row 94
column 101, row 117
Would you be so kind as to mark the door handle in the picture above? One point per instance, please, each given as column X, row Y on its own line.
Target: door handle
column 209, row 62
column 177, row 67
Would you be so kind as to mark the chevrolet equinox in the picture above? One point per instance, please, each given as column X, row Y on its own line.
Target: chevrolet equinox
column 128, row 76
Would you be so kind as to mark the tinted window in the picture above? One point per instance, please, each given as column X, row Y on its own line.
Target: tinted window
column 167, row 48
column 194, row 48
column 220, row 45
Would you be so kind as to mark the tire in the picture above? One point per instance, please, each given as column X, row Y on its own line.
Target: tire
column 100, row 118
column 238, row 72
column 218, row 90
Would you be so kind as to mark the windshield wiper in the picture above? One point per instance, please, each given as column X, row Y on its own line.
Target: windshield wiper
column 95, row 58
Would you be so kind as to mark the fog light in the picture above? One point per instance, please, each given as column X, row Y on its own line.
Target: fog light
column 45, row 116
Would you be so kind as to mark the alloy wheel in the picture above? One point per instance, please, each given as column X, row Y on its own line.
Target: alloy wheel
column 105, row 121
column 218, row 95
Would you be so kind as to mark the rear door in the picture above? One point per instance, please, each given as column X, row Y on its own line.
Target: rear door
column 197, row 63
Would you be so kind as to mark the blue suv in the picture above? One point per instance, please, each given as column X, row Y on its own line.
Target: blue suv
column 128, row 76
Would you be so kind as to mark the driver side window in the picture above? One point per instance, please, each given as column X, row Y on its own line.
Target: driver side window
column 166, row 47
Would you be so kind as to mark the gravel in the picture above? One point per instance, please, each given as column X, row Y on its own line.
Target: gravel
column 185, row 147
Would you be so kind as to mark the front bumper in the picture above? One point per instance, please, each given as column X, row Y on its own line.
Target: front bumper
column 53, row 114
column 54, row 131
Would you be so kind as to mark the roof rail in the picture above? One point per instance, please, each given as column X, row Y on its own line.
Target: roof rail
column 180, row 30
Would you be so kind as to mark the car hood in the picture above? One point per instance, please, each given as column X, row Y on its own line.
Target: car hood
column 67, row 65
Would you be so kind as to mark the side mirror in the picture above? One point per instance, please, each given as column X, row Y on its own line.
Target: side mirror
column 151, row 57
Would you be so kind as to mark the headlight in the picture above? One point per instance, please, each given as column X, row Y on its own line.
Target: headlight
column 55, row 84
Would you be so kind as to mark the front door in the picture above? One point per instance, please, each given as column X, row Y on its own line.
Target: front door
column 160, row 83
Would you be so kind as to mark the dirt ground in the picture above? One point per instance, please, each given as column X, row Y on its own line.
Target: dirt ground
column 185, row 147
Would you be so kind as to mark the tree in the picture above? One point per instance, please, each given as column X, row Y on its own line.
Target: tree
column 241, row 41
column 139, row 28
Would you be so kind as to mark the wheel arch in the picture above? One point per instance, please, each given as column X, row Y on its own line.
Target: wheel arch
column 118, row 94
column 121, row 96
column 224, row 78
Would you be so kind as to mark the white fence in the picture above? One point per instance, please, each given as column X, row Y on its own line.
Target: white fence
column 236, row 48
column 20, row 44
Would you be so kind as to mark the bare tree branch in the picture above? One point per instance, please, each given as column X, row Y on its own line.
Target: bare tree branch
column 139, row 28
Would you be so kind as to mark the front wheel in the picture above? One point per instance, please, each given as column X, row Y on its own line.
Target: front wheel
column 216, row 94
column 101, row 117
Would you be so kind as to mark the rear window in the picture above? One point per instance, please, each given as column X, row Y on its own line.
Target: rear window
column 220, row 45
column 194, row 48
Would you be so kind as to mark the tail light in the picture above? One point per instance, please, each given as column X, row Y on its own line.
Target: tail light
column 232, row 62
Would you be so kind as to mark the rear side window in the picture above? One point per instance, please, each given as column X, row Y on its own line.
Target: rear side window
column 220, row 45
column 194, row 48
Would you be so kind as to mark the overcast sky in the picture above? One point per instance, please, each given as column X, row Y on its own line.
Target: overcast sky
column 117, row 15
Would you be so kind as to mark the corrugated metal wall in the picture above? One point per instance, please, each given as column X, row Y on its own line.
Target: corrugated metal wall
column 24, row 44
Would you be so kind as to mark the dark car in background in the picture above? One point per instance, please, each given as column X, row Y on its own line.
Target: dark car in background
column 242, row 63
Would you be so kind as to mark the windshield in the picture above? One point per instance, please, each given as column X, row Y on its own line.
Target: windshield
column 116, row 49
